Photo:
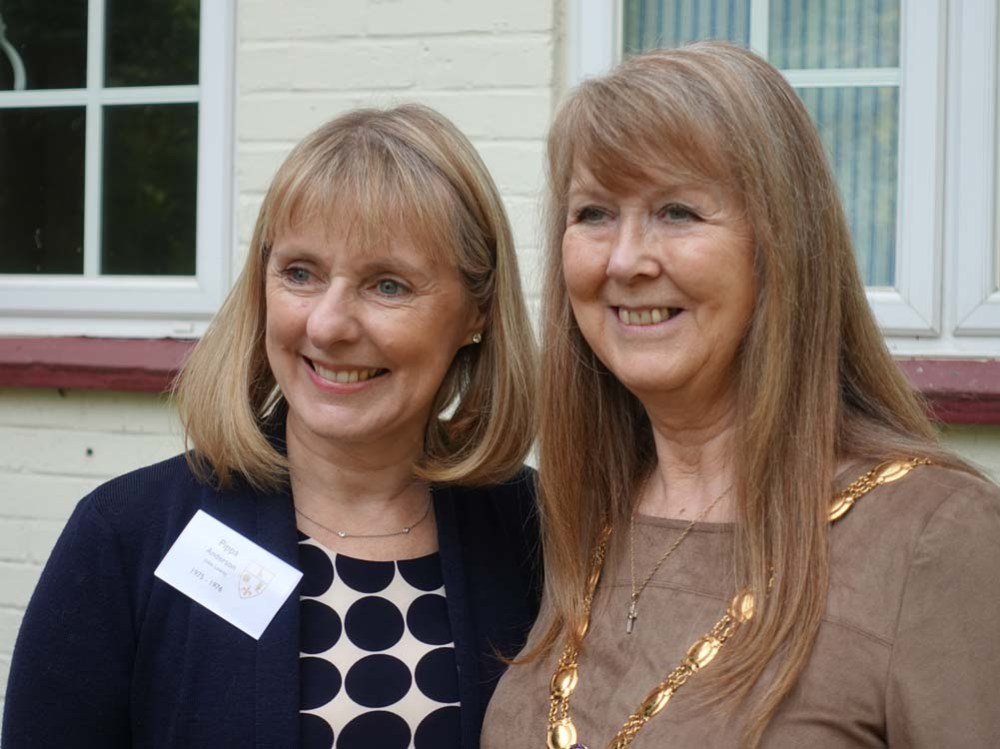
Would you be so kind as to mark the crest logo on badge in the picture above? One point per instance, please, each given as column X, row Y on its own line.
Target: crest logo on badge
column 254, row 579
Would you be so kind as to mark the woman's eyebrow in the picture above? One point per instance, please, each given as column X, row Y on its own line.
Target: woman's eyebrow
column 294, row 249
column 394, row 264
column 588, row 190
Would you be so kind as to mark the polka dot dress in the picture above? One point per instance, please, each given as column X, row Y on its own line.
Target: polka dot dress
column 377, row 662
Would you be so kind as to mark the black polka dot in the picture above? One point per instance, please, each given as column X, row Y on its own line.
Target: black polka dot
column 373, row 623
column 365, row 576
column 427, row 619
column 319, row 627
column 380, row 729
column 320, row 681
column 315, row 732
column 440, row 728
column 423, row 573
column 437, row 675
column 378, row 681
column 317, row 570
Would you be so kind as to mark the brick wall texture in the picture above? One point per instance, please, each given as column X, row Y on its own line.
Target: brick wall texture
column 55, row 447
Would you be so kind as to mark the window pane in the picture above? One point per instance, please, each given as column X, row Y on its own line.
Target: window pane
column 41, row 190
column 153, row 43
column 48, row 42
column 150, row 186
column 859, row 130
column 834, row 34
column 649, row 24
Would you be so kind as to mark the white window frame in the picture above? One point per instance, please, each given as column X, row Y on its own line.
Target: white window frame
column 945, row 299
column 139, row 306
column 976, row 171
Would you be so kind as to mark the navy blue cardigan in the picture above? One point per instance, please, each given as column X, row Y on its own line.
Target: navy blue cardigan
column 109, row 656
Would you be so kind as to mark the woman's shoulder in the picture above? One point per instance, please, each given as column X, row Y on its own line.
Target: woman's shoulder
column 513, row 493
column 149, row 506
column 928, row 495
column 500, row 510
column 935, row 517
column 167, row 486
column 955, row 512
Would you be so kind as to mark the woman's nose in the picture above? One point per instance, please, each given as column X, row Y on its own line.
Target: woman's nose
column 333, row 319
column 631, row 255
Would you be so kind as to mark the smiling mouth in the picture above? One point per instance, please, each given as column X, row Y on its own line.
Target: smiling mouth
column 345, row 376
column 647, row 315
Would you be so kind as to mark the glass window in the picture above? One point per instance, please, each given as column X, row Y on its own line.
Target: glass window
column 833, row 34
column 858, row 126
column 150, row 180
column 842, row 56
column 41, row 190
column 47, row 39
column 151, row 43
column 650, row 24
column 100, row 176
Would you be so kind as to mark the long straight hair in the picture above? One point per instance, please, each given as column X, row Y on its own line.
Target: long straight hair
column 815, row 382
column 407, row 169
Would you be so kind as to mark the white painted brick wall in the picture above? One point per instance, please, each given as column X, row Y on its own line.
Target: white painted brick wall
column 54, row 449
column 488, row 66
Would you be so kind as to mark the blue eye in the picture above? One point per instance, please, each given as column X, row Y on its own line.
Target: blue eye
column 389, row 287
column 677, row 212
column 589, row 215
column 297, row 275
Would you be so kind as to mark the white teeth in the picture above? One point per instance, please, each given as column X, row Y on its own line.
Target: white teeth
column 344, row 376
column 645, row 317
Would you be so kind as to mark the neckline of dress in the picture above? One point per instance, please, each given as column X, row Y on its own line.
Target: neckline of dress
column 338, row 554
column 843, row 477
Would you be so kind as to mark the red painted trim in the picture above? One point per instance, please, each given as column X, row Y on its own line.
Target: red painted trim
column 92, row 363
column 959, row 391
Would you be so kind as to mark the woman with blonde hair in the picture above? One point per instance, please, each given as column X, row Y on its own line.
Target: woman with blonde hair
column 359, row 409
column 751, row 534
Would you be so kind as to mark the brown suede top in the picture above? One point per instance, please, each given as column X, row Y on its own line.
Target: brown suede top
column 908, row 654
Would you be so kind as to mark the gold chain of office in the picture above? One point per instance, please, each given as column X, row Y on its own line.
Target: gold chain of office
column 562, row 733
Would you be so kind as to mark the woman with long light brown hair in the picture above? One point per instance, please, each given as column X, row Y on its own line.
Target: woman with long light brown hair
column 751, row 533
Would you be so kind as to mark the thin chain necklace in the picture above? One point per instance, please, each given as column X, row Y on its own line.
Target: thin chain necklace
column 562, row 732
column 633, row 613
column 344, row 534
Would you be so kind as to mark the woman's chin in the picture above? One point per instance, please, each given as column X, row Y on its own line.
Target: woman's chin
column 325, row 425
column 653, row 384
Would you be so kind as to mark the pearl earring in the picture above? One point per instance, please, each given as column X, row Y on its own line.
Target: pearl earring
column 477, row 337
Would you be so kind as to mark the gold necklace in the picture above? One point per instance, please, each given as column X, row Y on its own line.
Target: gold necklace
column 633, row 613
column 345, row 534
column 562, row 733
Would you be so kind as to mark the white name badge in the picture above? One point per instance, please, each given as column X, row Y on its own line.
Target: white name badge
column 228, row 574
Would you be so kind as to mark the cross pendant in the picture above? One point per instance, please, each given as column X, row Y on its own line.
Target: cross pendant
column 632, row 616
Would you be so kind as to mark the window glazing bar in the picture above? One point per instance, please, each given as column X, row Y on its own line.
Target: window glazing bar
column 94, row 139
column 760, row 26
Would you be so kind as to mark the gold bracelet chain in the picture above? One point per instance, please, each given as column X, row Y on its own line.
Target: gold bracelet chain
column 562, row 733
